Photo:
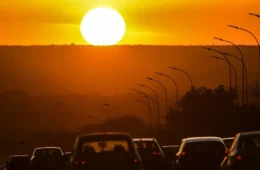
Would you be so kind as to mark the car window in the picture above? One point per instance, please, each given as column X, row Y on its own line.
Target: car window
column 19, row 162
column 250, row 142
column 47, row 152
column 146, row 145
column 105, row 146
column 207, row 146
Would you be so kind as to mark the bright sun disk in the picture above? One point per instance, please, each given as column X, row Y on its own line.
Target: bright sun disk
column 103, row 26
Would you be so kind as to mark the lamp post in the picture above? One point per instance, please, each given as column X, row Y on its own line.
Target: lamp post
column 233, row 70
column 256, row 15
column 191, row 83
column 147, row 97
column 229, row 65
column 109, row 105
column 243, row 68
column 157, row 98
column 245, row 30
column 176, row 87
column 245, row 72
column 166, row 98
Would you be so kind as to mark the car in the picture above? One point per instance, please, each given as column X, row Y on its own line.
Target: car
column 228, row 141
column 106, row 151
column 244, row 152
column 150, row 152
column 47, row 158
column 201, row 153
column 18, row 162
column 170, row 152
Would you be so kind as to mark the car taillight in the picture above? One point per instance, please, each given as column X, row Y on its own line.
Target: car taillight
column 135, row 160
column 183, row 153
column 238, row 157
column 226, row 151
column 157, row 153
column 79, row 162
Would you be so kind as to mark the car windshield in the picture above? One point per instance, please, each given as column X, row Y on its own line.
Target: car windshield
column 19, row 162
column 206, row 146
column 250, row 142
column 99, row 146
column 146, row 145
column 48, row 152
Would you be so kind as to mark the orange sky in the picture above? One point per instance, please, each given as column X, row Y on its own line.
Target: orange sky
column 184, row 22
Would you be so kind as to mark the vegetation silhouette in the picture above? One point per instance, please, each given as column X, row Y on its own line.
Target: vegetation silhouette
column 205, row 111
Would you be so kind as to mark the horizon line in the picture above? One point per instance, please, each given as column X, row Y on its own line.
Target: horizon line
column 119, row 45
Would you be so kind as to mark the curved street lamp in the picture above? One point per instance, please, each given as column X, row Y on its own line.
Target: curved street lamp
column 256, row 15
column 157, row 98
column 243, row 68
column 148, row 97
column 109, row 105
column 166, row 98
column 174, row 68
column 253, row 35
column 234, row 69
column 230, row 72
column 176, row 87
column 245, row 72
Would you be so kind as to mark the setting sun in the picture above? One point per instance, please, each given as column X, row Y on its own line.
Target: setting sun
column 102, row 26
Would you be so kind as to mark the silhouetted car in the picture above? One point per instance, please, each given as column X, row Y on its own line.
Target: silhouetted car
column 170, row 152
column 228, row 141
column 105, row 151
column 47, row 158
column 150, row 152
column 19, row 162
column 3, row 167
column 244, row 153
column 201, row 153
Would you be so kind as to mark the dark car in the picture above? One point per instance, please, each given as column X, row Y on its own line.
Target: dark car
column 228, row 141
column 18, row 162
column 150, row 152
column 244, row 153
column 105, row 151
column 201, row 153
column 47, row 158
column 170, row 152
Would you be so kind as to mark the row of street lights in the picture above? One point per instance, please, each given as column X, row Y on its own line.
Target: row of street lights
column 155, row 100
column 225, row 59
column 241, row 59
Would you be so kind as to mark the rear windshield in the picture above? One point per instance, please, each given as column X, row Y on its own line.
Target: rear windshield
column 146, row 145
column 19, row 162
column 250, row 142
column 207, row 146
column 105, row 146
column 48, row 152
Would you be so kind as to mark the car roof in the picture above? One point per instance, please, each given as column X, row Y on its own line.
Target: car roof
column 249, row 133
column 53, row 147
column 93, row 135
column 229, row 138
column 202, row 139
column 19, row 156
column 144, row 139
column 171, row 146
